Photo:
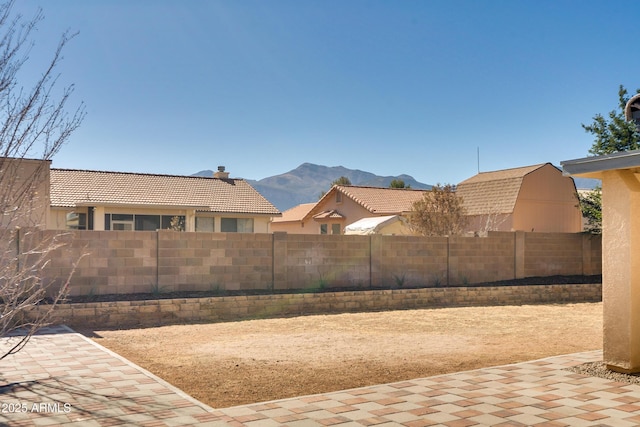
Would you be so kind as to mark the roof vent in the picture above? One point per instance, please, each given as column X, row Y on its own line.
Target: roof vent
column 221, row 173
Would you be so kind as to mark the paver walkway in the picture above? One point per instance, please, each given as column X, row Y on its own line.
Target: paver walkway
column 537, row 393
column 64, row 378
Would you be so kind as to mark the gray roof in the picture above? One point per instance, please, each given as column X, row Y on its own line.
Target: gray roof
column 590, row 166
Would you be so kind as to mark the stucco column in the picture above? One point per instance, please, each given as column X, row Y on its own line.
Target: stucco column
column 98, row 218
column 621, row 270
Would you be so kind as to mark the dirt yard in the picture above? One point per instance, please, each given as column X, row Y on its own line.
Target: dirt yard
column 227, row 364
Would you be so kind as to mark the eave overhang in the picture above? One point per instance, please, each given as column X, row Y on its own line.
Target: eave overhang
column 592, row 167
column 140, row 206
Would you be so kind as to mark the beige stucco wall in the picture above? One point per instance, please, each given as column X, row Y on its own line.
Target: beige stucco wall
column 293, row 227
column 547, row 202
column 26, row 184
column 621, row 269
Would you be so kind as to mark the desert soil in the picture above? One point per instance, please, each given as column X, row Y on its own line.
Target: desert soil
column 227, row 364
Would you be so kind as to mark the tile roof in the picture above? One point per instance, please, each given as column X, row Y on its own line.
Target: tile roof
column 494, row 192
column 296, row 213
column 377, row 200
column 71, row 187
column 382, row 200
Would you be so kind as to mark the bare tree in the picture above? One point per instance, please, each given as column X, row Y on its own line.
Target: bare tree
column 439, row 213
column 34, row 124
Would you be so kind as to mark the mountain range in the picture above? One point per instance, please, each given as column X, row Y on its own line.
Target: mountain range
column 307, row 182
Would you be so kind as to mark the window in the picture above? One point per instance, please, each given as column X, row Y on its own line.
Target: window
column 335, row 228
column 122, row 226
column 147, row 222
column 338, row 197
column 204, row 223
column 76, row 221
column 129, row 222
column 122, row 222
column 236, row 225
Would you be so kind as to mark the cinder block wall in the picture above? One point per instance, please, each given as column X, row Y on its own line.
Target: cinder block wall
column 308, row 261
column 211, row 261
column 215, row 309
column 414, row 261
column 104, row 261
column 592, row 254
column 111, row 262
column 476, row 260
column 553, row 254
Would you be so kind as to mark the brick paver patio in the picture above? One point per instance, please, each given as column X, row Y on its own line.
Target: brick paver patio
column 64, row 378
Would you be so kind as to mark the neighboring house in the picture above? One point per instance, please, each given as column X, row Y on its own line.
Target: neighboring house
column 531, row 198
column 291, row 220
column 98, row 200
column 345, row 204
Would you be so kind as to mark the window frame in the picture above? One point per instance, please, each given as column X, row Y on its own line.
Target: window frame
column 131, row 222
column 248, row 225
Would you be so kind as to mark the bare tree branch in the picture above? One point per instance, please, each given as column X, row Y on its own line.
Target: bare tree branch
column 34, row 124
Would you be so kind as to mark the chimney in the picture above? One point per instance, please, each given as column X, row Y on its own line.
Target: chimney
column 221, row 173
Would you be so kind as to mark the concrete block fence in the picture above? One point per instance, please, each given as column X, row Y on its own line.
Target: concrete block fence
column 124, row 262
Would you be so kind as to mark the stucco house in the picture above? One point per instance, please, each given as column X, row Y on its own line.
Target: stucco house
column 291, row 220
column 343, row 205
column 100, row 200
column 531, row 198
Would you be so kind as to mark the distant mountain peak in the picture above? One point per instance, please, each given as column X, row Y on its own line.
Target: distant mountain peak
column 308, row 181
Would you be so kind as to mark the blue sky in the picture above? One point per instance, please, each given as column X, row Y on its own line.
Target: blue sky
column 388, row 87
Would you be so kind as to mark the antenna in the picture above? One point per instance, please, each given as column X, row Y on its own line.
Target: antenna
column 478, row 159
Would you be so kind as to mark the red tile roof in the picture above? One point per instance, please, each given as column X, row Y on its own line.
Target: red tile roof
column 382, row 200
column 296, row 213
column 377, row 200
column 70, row 188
